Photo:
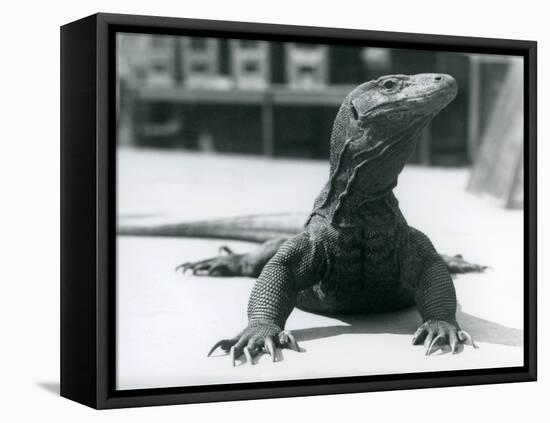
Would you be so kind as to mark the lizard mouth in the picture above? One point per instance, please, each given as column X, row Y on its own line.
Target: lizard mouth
column 420, row 105
column 437, row 98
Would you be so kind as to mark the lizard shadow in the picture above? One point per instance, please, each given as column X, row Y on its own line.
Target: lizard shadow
column 406, row 321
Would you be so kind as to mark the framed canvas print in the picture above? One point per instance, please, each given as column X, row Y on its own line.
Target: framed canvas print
column 254, row 211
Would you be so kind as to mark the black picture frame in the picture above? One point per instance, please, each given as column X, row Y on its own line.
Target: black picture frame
column 88, row 211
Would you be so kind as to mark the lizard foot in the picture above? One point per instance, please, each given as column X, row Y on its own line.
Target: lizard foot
column 438, row 334
column 226, row 264
column 257, row 337
column 457, row 264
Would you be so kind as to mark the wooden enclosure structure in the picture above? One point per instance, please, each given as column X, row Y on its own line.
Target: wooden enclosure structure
column 181, row 92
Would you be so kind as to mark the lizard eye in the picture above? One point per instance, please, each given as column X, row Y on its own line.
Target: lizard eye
column 389, row 84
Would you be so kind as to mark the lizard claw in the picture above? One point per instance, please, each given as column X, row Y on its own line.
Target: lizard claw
column 224, row 344
column 182, row 267
column 286, row 338
column 233, row 355
column 466, row 338
column 255, row 337
column 270, row 347
column 439, row 334
column 457, row 264
column 225, row 249
column 248, row 355
column 433, row 343
column 195, row 266
column 226, row 264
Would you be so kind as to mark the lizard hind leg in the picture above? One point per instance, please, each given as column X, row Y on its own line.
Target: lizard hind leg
column 223, row 265
column 228, row 263
column 456, row 264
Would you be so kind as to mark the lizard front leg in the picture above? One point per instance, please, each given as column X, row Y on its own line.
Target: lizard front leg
column 296, row 266
column 434, row 294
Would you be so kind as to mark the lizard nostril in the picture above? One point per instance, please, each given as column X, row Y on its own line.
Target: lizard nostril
column 437, row 78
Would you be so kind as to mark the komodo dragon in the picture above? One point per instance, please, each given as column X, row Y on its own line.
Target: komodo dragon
column 356, row 252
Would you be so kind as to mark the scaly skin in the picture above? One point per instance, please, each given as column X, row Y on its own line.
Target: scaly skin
column 356, row 253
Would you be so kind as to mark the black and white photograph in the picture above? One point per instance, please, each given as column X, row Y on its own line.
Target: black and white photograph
column 282, row 211
column 298, row 210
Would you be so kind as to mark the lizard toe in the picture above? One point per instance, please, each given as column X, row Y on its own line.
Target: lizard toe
column 457, row 264
column 286, row 339
column 228, row 264
column 466, row 338
column 224, row 344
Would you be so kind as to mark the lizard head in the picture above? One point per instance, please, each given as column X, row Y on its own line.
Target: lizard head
column 389, row 109
column 379, row 122
column 375, row 132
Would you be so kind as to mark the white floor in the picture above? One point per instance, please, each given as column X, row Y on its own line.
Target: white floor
column 168, row 322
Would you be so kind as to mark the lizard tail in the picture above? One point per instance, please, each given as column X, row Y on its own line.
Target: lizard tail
column 255, row 228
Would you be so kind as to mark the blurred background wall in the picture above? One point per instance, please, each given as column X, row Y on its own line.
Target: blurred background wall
column 280, row 99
